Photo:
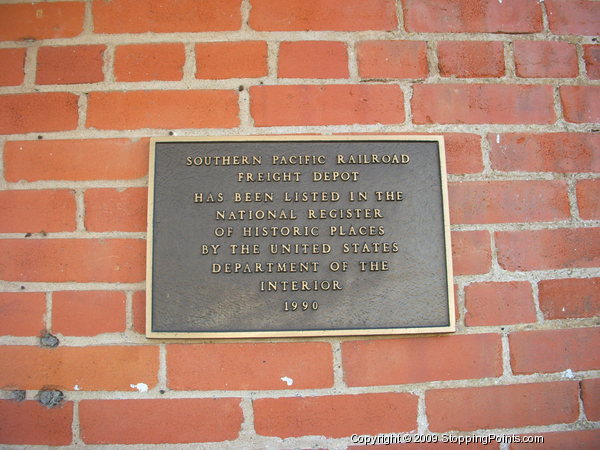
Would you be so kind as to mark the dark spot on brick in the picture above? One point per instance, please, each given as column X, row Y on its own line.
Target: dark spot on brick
column 171, row 133
column 241, row 88
column 162, row 391
column 49, row 340
column 18, row 395
column 40, row 137
column 27, row 234
column 50, row 398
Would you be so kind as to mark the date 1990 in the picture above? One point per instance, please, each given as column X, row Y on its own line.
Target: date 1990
column 300, row 306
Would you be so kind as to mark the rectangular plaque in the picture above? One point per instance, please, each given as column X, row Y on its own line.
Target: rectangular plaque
column 298, row 236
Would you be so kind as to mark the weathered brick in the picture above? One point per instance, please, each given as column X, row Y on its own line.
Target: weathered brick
column 313, row 59
column 41, row 20
column 564, row 440
column 391, row 361
column 162, row 109
column 319, row 15
column 590, row 390
column 540, row 59
column 326, row 105
column 494, row 303
column 115, row 210
column 471, row 59
column 573, row 16
column 335, row 416
column 29, row 423
column 77, row 160
column 580, row 103
column 545, row 152
column 482, row 103
column 139, row 311
column 220, row 60
column 463, row 153
column 591, row 54
column 79, row 260
column 22, row 313
column 70, row 64
column 166, row 16
column 502, row 406
column 471, row 252
column 250, row 366
column 548, row 249
column 48, row 111
column 12, row 61
column 392, row 59
column 570, row 298
column 588, row 193
column 34, row 211
column 92, row 368
column 88, row 313
column 147, row 62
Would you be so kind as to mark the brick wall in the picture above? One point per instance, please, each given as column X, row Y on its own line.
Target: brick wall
column 511, row 84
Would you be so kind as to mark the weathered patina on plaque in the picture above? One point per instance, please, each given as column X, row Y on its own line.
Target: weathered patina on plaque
column 298, row 236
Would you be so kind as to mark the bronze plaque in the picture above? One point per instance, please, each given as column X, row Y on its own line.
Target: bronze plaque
column 298, row 236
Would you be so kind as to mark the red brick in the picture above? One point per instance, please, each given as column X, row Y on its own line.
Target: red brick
column 139, row 312
column 22, row 313
column 591, row 54
column 76, row 160
column 391, row 361
column 70, row 65
column 320, row 15
column 573, row 16
column 162, row 109
column 580, row 103
column 115, row 210
column 471, row 59
column 12, row 61
column 570, row 298
column 471, row 252
column 45, row 20
column 463, row 153
column 173, row 421
column 472, row 16
column 540, row 59
column 335, row 416
column 555, row 350
column 326, row 105
column 588, row 192
column 147, row 62
column 508, row 201
column 79, row 260
column 29, row 423
column 93, row 368
column 502, row 406
column 482, row 103
column 220, row 60
column 33, row 211
column 590, row 390
column 499, row 303
column 392, row 59
column 548, row 249
column 250, row 366
column 48, row 111
column 547, row 152
column 313, row 59
column 88, row 313
column 166, row 16
column 564, row 440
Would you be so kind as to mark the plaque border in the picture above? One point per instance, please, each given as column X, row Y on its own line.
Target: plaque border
column 299, row 333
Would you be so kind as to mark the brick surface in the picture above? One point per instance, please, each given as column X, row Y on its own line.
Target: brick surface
column 220, row 60
column 70, row 64
column 570, row 298
column 391, row 361
column 548, row 249
column 45, row 20
column 573, row 16
column 77, row 160
column 502, row 406
column 326, row 105
column 472, row 16
column 580, row 103
column 508, row 201
column 565, row 440
column 138, row 304
column 160, row 421
column 79, row 260
column 93, row 368
column 590, row 390
column 539, row 59
column 147, row 62
column 22, row 313
column 591, row 55
column 317, row 15
column 162, row 109
column 471, row 252
column 554, row 350
column 48, row 111
column 494, row 303
column 470, row 59
column 166, row 16
column 392, row 59
column 29, row 423
column 250, row 366
column 88, row 313
column 335, row 416
column 116, row 210
column 545, row 152
column 12, row 61
column 312, row 59
column 35, row 211
column 588, row 192
column 463, row 153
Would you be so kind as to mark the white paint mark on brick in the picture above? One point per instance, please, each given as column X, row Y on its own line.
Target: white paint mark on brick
column 568, row 374
column 287, row 380
column 76, row 387
column 497, row 138
column 141, row 387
